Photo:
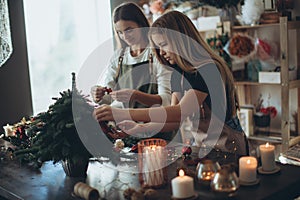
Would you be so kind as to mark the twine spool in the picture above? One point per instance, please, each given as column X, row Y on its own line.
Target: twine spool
column 85, row 191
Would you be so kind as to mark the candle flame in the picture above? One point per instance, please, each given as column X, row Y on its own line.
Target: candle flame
column 248, row 161
column 267, row 145
column 181, row 173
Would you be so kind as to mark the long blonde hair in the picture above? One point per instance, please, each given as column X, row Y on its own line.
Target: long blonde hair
column 191, row 50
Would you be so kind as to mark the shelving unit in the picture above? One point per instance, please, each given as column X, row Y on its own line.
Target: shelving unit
column 284, row 137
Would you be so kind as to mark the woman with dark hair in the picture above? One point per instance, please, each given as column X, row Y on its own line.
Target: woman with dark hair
column 202, row 90
column 135, row 76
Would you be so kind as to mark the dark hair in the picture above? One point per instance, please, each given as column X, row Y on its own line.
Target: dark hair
column 131, row 12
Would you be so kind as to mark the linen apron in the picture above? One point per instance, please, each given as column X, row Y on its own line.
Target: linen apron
column 138, row 76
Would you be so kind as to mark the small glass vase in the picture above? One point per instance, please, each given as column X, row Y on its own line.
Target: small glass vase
column 228, row 14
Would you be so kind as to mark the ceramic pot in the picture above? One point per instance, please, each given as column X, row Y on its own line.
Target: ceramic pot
column 262, row 120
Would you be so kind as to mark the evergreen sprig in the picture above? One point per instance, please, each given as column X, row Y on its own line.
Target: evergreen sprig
column 54, row 135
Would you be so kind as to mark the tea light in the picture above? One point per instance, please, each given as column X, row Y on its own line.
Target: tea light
column 267, row 155
column 207, row 176
column 247, row 169
column 206, row 171
column 182, row 186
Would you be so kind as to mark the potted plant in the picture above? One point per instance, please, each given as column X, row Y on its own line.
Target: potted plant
column 263, row 115
column 53, row 135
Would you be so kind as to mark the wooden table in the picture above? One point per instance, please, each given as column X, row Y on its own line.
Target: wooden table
column 50, row 182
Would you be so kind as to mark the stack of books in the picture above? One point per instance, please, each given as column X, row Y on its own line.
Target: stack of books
column 291, row 156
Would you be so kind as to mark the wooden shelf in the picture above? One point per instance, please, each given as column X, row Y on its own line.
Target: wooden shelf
column 276, row 140
column 244, row 27
column 290, row 24
column 292, row 84
column 245, row 88
column 253, row 83
column 293, row 24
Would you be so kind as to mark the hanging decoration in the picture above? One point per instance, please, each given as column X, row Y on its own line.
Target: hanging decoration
column 5, row 35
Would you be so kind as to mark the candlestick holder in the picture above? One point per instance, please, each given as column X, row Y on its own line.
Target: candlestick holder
column 152, row 162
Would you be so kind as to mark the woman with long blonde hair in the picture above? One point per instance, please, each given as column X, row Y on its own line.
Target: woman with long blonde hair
column 202, row 90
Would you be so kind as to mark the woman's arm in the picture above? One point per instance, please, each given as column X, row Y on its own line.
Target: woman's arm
column 176, row 97
column 189, row 104
column 161, row 76
column 147, row 99
column 146, row 130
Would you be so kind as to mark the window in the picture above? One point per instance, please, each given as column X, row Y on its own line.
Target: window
column 60, row 36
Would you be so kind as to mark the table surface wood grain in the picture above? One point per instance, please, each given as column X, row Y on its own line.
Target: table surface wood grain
column 50, row 182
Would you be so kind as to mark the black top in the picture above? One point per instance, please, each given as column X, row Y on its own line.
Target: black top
column 207, row 79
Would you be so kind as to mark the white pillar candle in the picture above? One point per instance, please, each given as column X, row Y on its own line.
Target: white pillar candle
column 153, row 165
column 182, row 186
column 267, row 154
column 247, row 169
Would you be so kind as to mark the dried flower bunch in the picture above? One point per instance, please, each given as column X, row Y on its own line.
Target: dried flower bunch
column 240, row 45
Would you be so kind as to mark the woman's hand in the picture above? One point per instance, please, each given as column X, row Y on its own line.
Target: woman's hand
column 106, row 113
column 97, row 93
column 124, row 95
column 142, row 130
column 130, row 127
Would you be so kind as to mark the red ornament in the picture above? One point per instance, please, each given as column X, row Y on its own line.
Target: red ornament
column 134, row 148
column 186, row 150
column 108, row 90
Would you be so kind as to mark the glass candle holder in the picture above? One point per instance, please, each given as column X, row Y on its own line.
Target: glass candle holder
column 152, row 162
column 225, row 181
column 206, row 171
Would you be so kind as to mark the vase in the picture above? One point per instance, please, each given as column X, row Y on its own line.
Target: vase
column 152, row 157
column 228, row 14
column 76, row 168
column 262, row 120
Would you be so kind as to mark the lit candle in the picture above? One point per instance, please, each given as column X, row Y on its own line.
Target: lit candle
column 207, row 175
column 153, row 165
column 182, row 186
column 267, row 154
column 247, row 169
